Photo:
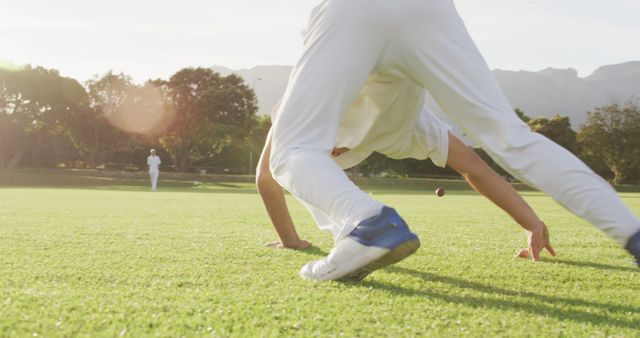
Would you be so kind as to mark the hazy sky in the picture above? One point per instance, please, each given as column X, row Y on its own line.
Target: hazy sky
column 150, row 39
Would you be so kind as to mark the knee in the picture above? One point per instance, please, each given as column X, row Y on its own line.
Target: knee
column 293, row 162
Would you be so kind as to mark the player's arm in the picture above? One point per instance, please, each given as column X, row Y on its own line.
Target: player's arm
column 273, row 198
column 487, row 182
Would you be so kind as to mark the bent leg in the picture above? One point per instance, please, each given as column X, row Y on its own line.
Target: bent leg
column 341, row 50
column 442, row 57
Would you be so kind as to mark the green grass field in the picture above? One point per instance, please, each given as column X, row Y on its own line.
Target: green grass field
column 116, row 260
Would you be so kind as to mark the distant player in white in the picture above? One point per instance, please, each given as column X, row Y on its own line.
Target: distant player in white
column 153, row 162
column 424, row 42
column 389, row 117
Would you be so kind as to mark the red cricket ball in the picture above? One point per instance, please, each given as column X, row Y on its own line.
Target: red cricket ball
column 440, row 192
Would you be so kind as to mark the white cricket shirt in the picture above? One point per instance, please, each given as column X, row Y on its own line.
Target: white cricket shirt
column 153, row 161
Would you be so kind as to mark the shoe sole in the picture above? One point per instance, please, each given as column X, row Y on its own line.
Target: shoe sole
column 396, row 254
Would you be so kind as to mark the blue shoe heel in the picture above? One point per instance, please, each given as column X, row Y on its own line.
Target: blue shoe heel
column 387, row 230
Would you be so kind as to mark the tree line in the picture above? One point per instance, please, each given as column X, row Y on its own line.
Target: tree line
column 199, row 119
column 196, row 118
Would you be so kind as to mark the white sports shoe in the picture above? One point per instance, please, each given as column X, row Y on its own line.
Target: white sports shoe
column 373, row 244
column 347, row 256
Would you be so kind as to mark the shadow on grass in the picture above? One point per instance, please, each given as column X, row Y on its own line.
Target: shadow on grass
column 536, row 304
column 533, row 303
column 314, row 251
column 593, row 265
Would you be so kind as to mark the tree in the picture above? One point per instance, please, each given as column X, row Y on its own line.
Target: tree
column 12, row 127
column 91, row 130
column 35, row 104
column 257, row 139
column 612, row 133
column 210, row 111
column 557, row 129
column 241, row 156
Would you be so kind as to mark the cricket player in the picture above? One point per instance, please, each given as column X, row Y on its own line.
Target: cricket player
column 424, row 42
column 153, row 162
column 389, row 116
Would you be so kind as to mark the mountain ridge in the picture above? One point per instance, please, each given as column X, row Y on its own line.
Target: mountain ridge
column 548, row 92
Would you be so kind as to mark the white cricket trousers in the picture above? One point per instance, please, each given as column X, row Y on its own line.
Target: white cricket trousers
column 426, row 42
column 153, row 175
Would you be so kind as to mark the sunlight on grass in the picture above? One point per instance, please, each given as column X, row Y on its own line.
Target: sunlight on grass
column 190, row 261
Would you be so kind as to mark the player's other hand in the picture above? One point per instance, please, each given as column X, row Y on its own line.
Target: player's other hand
column 538, row 240
column 299, row 245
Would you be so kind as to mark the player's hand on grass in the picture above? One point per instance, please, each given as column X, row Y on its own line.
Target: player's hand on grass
column 299, row 245
column 538, row 240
